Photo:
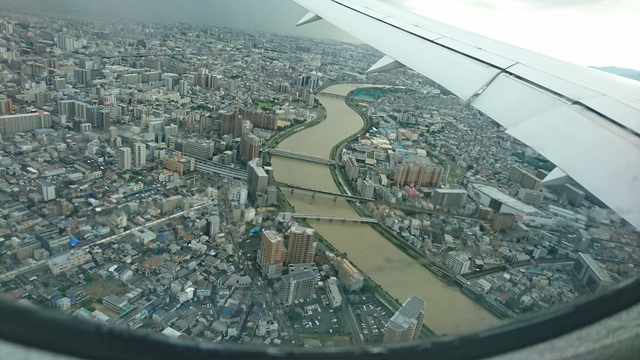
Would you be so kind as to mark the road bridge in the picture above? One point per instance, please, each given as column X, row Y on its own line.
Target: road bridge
column 336, row 196
column 331, row 96
column 333, row 218
column 299, row 156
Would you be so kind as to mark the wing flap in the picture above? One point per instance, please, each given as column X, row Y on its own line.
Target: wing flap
column 585, row 121
column 599, row 155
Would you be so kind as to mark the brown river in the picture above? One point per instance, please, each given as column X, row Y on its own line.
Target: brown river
column 447, row 310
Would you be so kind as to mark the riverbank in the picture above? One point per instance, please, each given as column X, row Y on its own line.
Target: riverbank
column 338, row 174
column 447, row 310
column 278, row 137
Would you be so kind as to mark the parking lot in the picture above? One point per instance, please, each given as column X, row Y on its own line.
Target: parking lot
column 373, row 321
column 317, row 318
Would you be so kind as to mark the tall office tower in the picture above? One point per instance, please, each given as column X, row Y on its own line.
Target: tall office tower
column 257, row 179
column 230, row 124
column 406, row 324
column 302, row 245
column 124, row 158
column 213, row 225
column 250, row 146
column 270, row 254
column 183, row 87
column 449, row 198
column 139, row 155
column 231, row 86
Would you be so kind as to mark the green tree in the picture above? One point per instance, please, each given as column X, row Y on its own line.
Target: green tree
column 293, row 315
column 512, row 304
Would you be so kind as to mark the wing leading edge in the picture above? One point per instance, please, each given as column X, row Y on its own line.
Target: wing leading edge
column 584, row 121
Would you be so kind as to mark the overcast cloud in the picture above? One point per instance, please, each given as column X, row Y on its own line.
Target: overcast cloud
column 587, row 32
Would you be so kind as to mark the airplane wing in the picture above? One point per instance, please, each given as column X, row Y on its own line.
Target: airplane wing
column 585, row 121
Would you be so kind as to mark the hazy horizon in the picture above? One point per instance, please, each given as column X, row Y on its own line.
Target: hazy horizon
column 506, row 21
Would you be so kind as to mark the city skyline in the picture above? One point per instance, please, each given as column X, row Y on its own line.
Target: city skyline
column 568, row 33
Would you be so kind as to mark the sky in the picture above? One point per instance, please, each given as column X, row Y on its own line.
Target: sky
column 585, row 32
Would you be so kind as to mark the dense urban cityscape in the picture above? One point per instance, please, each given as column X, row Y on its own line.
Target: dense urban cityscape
column 151, row 180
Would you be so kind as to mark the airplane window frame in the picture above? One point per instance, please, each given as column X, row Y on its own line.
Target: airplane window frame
column 56, row 333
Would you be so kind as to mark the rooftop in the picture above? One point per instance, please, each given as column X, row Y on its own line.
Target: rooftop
column 506, row 199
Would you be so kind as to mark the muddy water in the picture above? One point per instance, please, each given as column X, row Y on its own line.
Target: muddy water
column 447, row 310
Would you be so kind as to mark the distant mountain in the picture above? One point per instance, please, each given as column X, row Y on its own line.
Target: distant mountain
column 628, row 73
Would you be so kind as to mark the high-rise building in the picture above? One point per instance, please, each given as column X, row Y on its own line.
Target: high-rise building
column 6, row 105
column 530, row 197
column 299, row 285
column 458, row 262
column 302, row 245
column 250, row 146
column 590, row 273
column 351, row 167
column 13, row 124
column 271, row 253
column 213, row 225
column 449, row 198
column 47, row 189
column 230, row 124
column 139, row 155
column 405, row 325
column 348, row 274
column 257, row 179
column 503, row 221
column 574, row 195
column 418, row 173
column 123, row 157
column 201, row 149
column 366, row 188
column 530, row 181
column 183, row 87
column 260, row 119
column 516, row 173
